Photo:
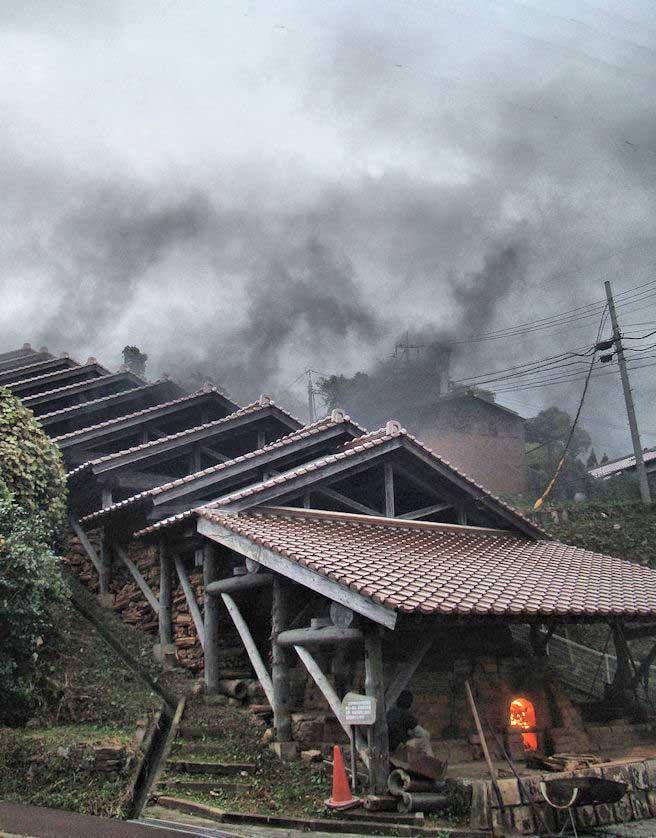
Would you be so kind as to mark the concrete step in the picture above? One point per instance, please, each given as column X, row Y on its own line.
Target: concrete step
column 182, row 766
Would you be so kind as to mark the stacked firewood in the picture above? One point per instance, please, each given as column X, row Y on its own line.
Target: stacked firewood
column 133, row 608
column 78, row 561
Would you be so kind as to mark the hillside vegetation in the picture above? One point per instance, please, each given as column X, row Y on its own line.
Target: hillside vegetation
column 625, row 529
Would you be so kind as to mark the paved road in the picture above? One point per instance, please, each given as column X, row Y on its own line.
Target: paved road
column 38, row 822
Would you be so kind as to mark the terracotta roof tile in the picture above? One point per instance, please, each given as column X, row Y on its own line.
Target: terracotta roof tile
column 305, row 432
column 154, row 444
column 122, row 394
column 365, row 442
column 109, row 422
column 70, row 388
column 428, row 568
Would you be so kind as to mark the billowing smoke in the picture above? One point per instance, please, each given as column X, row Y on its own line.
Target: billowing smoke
column 305, row 188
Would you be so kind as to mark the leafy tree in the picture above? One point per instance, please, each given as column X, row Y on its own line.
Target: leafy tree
column 551, row 428
column 547, row 435
column 30, row 464
column 32, row 507
column 135, row 360
column 30, row 582
column 592, row 460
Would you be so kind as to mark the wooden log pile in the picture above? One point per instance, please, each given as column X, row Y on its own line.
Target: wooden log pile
column 78, row 561
column 133, row 608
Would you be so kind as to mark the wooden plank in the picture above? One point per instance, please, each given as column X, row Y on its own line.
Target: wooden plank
column 327, row 689
column 388, row 473
column 211, row 649
column 232, row 584
column 191, row 599
column 416, row 514
column 377, row 734
column 146, row 590
column 340, row 497
column 331, row 636
column 279, row 662
column 84, row 541
column 214, row 455
column 249, row 464
column 332, row 472
column 253, row 653
column 165, row 595
column 292, row 570
column 406, row 669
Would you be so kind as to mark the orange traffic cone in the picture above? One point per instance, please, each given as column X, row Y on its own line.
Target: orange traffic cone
column 342, row 797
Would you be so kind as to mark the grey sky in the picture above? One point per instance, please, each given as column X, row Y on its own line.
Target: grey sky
column 250, row 188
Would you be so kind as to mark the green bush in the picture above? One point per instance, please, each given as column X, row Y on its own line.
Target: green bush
column 30, row 464
column 32, row 508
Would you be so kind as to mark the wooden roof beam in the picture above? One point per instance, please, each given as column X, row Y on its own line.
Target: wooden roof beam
column 297, row 573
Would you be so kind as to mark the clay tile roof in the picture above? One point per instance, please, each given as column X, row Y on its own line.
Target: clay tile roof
column 70, row 388
column 121, row 395
column 306, row 432
column 109, row 422
column 353, row 447
column 426, row 568
column 624, row 464
column 154, row 444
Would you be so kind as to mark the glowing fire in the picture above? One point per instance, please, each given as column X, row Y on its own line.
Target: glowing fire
column 522, row 715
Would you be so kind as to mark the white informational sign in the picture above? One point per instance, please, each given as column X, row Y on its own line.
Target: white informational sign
column 359, row 709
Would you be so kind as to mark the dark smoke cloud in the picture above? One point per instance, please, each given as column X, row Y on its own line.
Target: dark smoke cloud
column 245, row 193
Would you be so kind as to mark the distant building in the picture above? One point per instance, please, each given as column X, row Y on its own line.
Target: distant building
column 480, row 437
column 626, row 465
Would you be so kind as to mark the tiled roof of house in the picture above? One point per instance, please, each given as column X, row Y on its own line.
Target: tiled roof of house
column 109, row 422
column 445, row 569
column 306, row 432
column 264, row 403
column 356, row 446
column 625, row 464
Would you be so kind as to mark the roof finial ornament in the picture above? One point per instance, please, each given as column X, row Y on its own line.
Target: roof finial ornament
column 393, row 427
column 338, row 415
column 264, row 400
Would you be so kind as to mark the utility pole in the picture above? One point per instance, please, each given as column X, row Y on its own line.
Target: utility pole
column 310, row 392
column 628, row 399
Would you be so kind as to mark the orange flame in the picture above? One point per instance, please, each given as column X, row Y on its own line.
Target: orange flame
column 522, row 715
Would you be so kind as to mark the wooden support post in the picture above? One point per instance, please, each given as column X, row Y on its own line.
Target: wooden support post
column 253, row 653
column 191, row 600
column 138, row 578
column 261, row 439
column 389, row 490
column 307, row 500
column 107, row 499
column 406, row 669
column 194, row 460
column 165, row 595
column 211, row 648
column 97, row 562
column 280, row 663
column 105, row 575
column 377, row 735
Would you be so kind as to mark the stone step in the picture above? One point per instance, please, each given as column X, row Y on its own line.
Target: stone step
column 171, row 785
column 198, row 731
column 197, row 747
column 182, row 766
